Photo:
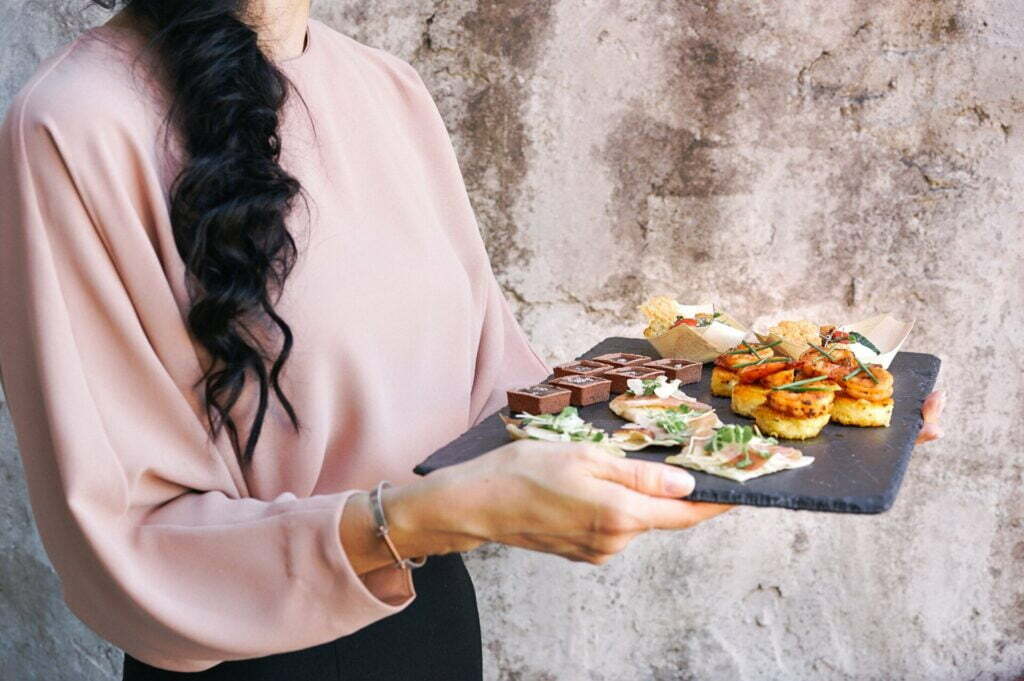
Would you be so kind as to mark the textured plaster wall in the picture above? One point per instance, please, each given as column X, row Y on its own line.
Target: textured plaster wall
column 832, row 159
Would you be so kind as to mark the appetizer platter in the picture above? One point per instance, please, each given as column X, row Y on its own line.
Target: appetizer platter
column 826, row 431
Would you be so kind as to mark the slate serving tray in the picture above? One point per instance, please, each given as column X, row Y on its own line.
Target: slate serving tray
column 856, row 470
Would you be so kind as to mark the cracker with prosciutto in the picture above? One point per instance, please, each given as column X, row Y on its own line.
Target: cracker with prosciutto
column 646, row 399
column 739, row 453
column 633, row 437
column 565, row 426
column 666, row 428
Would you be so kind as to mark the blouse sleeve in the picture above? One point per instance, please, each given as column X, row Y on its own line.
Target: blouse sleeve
column 157, row 547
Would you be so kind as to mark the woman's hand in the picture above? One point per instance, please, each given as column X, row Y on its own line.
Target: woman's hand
column 570, row 499
column 931, row 410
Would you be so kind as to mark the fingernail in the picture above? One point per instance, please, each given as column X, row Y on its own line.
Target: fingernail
column 678, row 483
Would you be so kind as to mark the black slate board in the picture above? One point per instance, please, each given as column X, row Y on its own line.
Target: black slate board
column 856, row 470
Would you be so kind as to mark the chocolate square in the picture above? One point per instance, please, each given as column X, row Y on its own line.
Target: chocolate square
column 687, row 372
column 622, row 359
column 582, row 367
column 538, row 399
column 585, row 389
column 619, row 376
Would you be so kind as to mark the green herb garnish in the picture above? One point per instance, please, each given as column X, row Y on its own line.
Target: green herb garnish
column 865, row 369
column 859, row 338
column 823, row 351
column 764, row 360
column 749, row 351
column 674, row 422
column 805, row 381
column 743, row 436
column 566, row 422
column 853, row 373
column 651, row 385
column 728, row 435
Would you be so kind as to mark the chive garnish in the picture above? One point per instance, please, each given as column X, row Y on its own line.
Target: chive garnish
column 752, row 351
column 850, row 375
column 766, row 360
column 796, row 384
column 822, row 351
column 865, row 369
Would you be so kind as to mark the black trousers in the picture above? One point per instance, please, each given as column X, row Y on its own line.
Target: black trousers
column 436, row 637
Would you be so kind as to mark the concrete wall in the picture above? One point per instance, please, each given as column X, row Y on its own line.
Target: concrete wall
column 831, row 159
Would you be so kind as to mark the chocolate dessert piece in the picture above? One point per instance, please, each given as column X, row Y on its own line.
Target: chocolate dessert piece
column 538, row 399
column 622, row 359
column 585, row 389
column 582, row 367
column 687, row 372
column 619, row 376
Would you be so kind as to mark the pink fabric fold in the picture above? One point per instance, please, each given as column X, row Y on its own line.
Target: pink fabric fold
column 164, row 544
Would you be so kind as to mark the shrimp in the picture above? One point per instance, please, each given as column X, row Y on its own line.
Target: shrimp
column 727, row 361
column 862, row 387
column 813, row 363
column 780, row 378
column 802, row 405
column 754, row 373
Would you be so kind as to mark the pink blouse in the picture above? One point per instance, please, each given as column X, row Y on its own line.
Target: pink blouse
column 403, row 340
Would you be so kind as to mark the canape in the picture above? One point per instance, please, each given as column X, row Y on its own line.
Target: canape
column 865, row 398
column 797, row 410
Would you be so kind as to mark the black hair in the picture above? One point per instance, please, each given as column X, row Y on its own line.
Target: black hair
column 229, row 201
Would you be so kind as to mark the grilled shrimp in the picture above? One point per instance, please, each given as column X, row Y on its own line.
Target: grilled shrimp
column 801, row 404
column 727, row 361
column 780, row 378
column 813, row 363
column 862, row 387
column 752, row 374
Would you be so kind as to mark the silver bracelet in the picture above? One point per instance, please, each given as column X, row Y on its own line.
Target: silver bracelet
column 381, row 524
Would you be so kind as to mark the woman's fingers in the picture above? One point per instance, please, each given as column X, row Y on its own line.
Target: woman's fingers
column 933, row 405
column 647, row 477
column 930, row 431
column 672, row 514
column 703, row 510
column 931, row 411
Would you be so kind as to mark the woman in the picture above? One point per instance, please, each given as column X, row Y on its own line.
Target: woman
column 199, row 438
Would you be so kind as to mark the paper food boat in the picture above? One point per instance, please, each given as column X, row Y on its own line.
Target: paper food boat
column 885, row 331
column 700, row 344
